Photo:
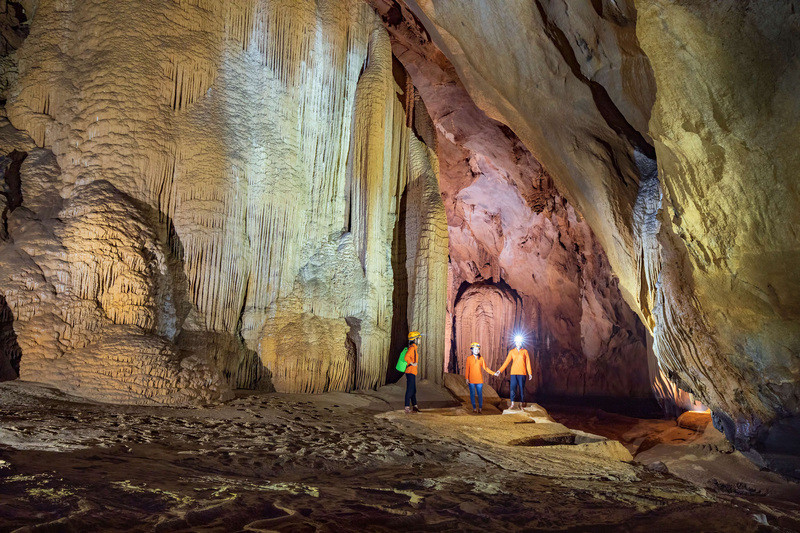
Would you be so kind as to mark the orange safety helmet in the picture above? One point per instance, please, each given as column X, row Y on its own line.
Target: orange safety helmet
column 414, row 335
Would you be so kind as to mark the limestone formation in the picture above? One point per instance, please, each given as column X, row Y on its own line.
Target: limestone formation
column 704, row 244
column 728, row 320
column 343, row 462
column 217, row 200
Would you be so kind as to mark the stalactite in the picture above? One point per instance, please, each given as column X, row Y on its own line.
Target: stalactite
column 215, row 180
column 188, row 81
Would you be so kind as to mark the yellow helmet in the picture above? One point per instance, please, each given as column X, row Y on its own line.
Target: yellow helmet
column 474, row 344
column 414, row 335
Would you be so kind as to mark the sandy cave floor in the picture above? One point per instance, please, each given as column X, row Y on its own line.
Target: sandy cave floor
column 352, row 462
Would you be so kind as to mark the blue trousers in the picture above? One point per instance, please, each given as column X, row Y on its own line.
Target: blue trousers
column 411, row 390
column 518, row 381
column 476, row 388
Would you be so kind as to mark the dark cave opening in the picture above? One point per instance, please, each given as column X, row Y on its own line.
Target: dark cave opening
column 10, row 352
column 12, row 184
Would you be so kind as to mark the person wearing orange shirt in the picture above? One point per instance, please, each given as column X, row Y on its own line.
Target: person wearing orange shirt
column 475, row 365
column 412, row 359
column 520, row 362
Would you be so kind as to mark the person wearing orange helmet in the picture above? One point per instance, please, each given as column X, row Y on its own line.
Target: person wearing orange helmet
column 474, row 367
column 412, row 361
column 520, row 361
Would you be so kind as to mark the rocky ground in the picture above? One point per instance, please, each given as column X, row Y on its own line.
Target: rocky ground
column 351, row 462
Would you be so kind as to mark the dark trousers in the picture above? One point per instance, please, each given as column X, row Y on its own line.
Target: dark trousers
column 518, row 381
column 476, row 388
column 411, row 389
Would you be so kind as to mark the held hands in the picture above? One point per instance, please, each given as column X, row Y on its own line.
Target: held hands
column 530, row 377
column 497, row 373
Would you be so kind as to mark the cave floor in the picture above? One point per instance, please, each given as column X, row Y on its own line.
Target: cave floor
column 339, row 462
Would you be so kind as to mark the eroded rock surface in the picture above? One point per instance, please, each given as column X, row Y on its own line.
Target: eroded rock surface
column 728, row 157
column 218, row 200
column 339, row 462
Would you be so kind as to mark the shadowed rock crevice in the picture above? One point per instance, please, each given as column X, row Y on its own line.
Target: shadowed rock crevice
column 10, row 353
column 10, row 166
column 400, row 326
column 14, row 26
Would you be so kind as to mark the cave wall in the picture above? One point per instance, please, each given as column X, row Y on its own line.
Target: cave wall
column 521, row 258
column 727, row 145
column 225, row 182
column 572, row 83
column 704, row 244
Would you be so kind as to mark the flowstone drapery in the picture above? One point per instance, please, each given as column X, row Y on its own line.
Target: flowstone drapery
column 222, row 214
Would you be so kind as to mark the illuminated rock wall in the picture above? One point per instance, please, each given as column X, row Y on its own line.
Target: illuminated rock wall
column 521, row 258
column 705, row 244
column 727, row 318
column 229, row 178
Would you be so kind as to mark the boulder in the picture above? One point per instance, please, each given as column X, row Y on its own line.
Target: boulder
column 696, row 420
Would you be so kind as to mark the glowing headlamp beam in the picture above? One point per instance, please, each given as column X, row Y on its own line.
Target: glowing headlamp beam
column 518, row 339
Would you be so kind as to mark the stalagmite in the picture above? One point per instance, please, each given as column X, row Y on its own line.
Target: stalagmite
column 427, row 255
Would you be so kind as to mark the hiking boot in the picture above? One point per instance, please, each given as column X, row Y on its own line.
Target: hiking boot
column 479, row 410
column 408, row 409
column 415, row 409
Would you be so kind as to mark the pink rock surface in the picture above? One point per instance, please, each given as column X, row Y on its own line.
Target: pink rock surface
column 521, row 258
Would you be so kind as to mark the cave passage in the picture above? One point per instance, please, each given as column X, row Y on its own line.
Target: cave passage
column 12, row 184
column 521, row 258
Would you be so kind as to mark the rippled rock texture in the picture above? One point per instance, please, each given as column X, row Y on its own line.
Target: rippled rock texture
column 216, row 194
column 705, row 243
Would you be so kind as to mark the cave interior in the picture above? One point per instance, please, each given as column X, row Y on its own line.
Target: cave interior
column 221, row 221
